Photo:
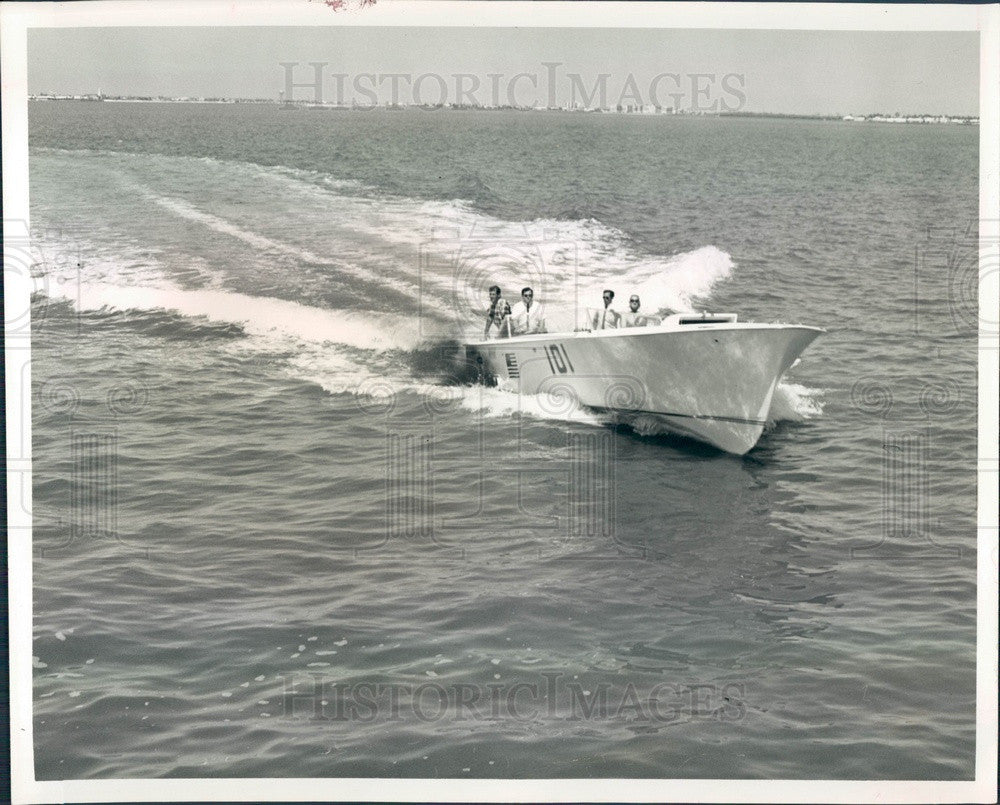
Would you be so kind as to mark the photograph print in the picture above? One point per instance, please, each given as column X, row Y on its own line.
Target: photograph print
column 432, row 399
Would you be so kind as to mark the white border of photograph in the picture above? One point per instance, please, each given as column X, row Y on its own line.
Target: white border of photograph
column 16, row 18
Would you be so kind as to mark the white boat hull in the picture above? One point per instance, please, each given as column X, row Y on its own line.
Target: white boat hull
column 711, row 382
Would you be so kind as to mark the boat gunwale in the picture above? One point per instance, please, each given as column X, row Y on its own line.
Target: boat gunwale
column 627, row 332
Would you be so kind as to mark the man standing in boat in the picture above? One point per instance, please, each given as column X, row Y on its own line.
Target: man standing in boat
column 497, row 315
column 607, row 319
column 527, row 316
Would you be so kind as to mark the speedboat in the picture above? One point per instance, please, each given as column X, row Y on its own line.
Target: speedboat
column 701, row 375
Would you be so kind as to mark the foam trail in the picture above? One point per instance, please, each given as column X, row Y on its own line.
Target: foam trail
column 214, row 222
column 260, row 316
column 258, row 241
column 567, row 261
column 447, row 248
column 312, row 335
column 794, row 403
column 496, row 402
column 685, row 278
column 592, row 258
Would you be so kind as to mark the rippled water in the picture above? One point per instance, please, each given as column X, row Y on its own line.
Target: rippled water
column 278, row 533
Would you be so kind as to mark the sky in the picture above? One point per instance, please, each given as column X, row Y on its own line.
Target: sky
column 792, row 72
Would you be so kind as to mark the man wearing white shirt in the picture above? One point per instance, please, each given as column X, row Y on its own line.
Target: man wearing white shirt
column 527, row 316
column 606, row 319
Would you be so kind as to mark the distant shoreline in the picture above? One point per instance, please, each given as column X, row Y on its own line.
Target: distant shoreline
column 632, row 111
